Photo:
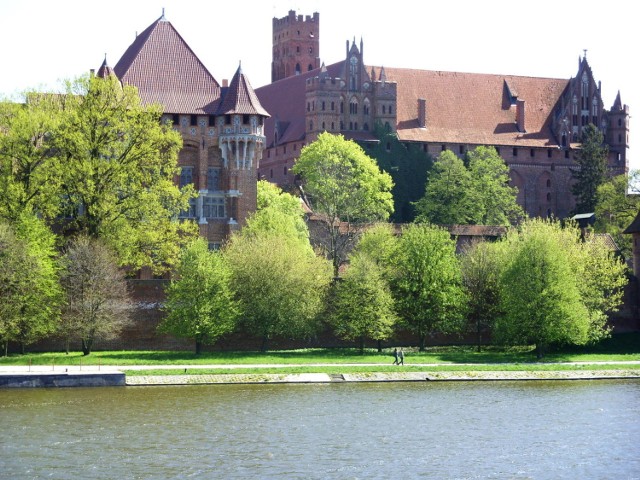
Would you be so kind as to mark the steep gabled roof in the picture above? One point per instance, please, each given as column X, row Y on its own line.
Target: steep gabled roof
column 473, row 108
column 166, row 71
column 105, row 70
column 240, row 98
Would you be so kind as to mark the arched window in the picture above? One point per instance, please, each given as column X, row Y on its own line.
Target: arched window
column 297, row 69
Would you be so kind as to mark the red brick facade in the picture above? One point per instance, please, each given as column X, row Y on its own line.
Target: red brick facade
column 534, row 123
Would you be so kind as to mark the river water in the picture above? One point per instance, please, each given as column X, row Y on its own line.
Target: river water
column 431, row 430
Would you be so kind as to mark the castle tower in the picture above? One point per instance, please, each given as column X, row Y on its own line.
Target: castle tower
column 618, row 130
column 296, row 45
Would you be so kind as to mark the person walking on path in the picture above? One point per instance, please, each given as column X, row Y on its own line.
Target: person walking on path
column 400, row 358
column 395, row 356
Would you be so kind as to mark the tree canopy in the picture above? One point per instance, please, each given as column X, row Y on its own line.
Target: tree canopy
column 200, row 303
column 479, row 194
column 345, row 189
column 428, row 287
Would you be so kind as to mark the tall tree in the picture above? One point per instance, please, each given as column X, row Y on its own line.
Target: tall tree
column 555, row 288
column 479, row 194
column 591, row 171
column 428, row 286
column 447, row 199
column 490, row 189
column 481, row 269
column 97, row 304
column 200, row 303
column 29, row 288
column 345, row 188
column 119, row 166
column 363, row 306
column 279, row 282
column 30, row 173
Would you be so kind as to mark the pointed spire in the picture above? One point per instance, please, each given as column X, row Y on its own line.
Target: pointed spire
column 383, row 75
column 373, row 73
column 617, row 104
column 105, row 70
column 162, row 17
column 240, row 98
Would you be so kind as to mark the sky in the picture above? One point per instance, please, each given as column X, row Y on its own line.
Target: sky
column 47, row 41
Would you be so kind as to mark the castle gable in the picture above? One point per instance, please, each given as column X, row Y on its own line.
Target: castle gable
column 166, row 71
column 240, row 98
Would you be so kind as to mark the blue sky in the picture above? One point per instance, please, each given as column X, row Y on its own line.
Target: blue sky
column 46, row 41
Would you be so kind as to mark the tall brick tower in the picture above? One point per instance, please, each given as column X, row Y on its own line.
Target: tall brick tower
column 296, row 45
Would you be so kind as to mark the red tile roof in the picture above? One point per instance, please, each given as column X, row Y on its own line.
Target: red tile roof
column 166, row 71
column 474, row 108
column 240, row 98
column 465, row 108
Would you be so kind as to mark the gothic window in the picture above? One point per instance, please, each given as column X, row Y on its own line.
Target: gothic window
column 186, row 176
column 213, row 207
column 585, row 91
column 515, row 152
column 297, row 69
column 574, row 111
column 594, row 111
column 355, row 126
column 213, row 178
column 390, row 109
column 350, row 125
column 194, row 120
column 532, row 153
column 384, row 109
column 309, row 67
column 323, row 126
column 342, row 106
column 365, row 107
column 549, row 153
column 333, row 126
column 366, row 127
column 323, row 106
column 298, row 49
column 341, row 125
column 353, row 106
column 311, row 126
column 333, row 106
column 548, row 183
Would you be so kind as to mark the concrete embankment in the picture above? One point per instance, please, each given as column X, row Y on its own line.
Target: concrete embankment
column 440, row 376
column 62, row 379
column 92, row 376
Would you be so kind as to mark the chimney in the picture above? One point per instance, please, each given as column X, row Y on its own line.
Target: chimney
column 520, row 116
column 225, row 82
column 422, row 113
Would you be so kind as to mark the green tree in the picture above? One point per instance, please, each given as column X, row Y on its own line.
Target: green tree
column 428, row 287
column 200, row 303
column 345, row 188
column 29, row 288
column 278, row 212
column 279, row 282
column 378, row 243
column 97, row 304
column 447, row 199
column 556, row 288
column 481, row 267
column 618, row 204
column 591, row 171
column 118, row 177
column 363, row 306
column 480, row 194
column 490, row 189
column 30, row 173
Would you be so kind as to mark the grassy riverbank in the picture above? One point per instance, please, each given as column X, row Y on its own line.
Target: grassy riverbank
column 615, row 351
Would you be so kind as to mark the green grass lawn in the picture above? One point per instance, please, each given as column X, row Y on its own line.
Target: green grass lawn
column 619, row 348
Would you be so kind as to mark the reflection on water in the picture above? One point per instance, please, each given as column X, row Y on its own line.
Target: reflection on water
column 489, row 430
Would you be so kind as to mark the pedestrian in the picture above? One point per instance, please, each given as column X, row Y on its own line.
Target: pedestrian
column 400, row 357
column 395, row 356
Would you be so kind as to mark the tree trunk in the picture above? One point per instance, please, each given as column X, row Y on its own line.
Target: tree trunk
column 539, row 351
column 361, row 344
column 198, row 346
column 379, row 346
column 87, row 343
column 265, row 343
column 22, row 348
column 6, row 348
column 422, row 342
column 479, row 331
